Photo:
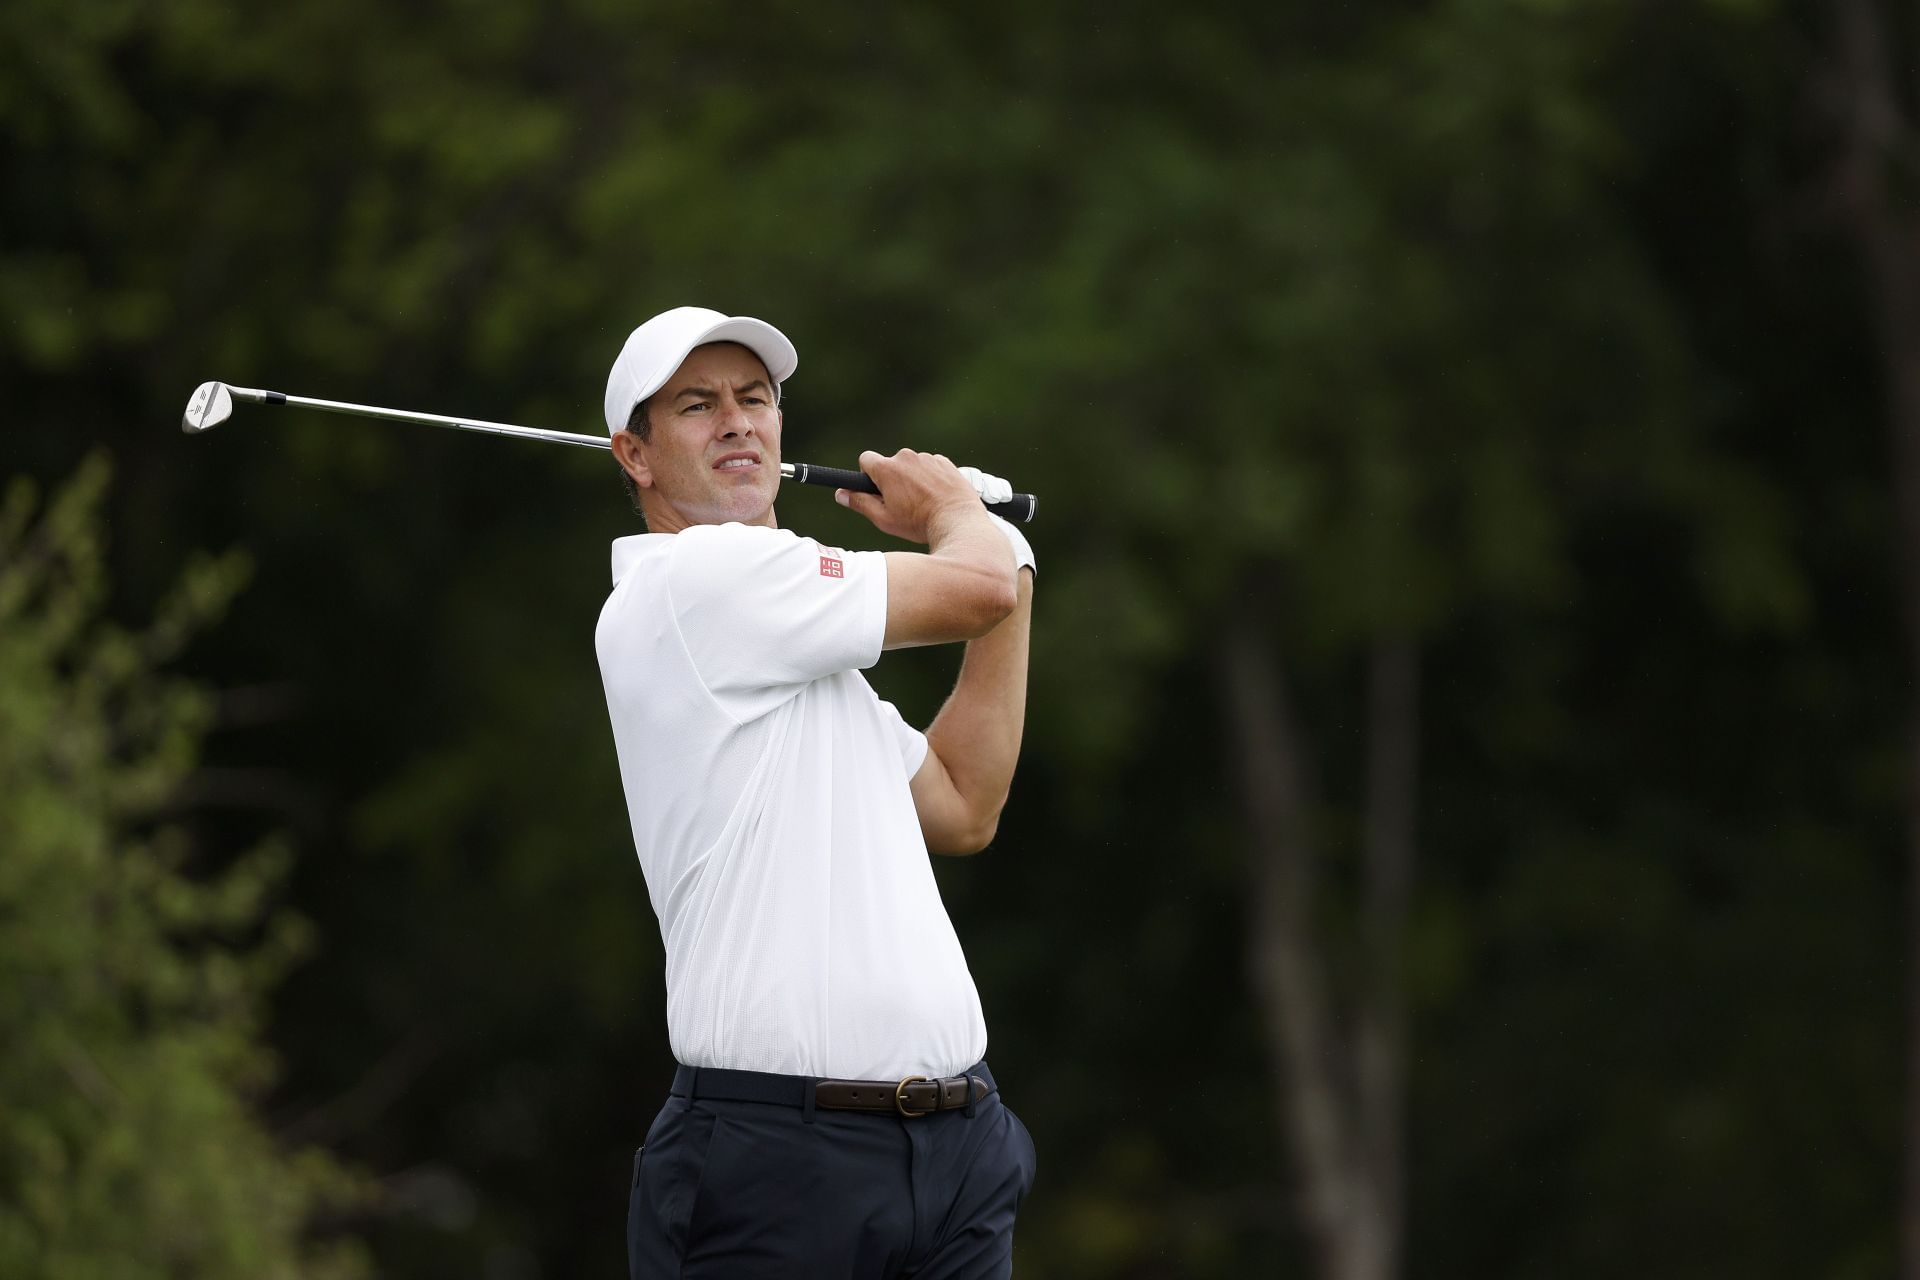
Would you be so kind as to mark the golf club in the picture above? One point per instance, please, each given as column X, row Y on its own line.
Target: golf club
column 212, row 404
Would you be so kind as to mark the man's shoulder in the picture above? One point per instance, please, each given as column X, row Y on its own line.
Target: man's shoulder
column 634, row 552
column 637, row 554
column 705, row 549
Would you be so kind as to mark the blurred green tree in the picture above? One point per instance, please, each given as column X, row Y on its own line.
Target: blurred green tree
column 132, row 980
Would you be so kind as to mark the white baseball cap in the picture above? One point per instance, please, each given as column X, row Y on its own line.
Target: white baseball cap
column 656, row 348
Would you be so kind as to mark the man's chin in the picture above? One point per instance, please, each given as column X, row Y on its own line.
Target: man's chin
column 755, row 505
column 742, row 508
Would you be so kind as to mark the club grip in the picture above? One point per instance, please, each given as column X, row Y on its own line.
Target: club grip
column 1019, row 508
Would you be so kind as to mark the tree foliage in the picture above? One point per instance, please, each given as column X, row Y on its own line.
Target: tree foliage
column 130, row 1018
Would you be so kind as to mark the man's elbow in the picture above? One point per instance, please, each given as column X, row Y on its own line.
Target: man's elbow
column 982, row 835
column 992, row 604
column 960, row 841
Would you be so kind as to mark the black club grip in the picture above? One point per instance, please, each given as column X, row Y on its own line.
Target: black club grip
column 1019, row 508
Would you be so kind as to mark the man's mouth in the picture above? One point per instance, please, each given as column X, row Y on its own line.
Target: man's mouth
column 737, row 461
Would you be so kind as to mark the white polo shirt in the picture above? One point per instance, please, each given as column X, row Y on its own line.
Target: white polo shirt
column 767, row 785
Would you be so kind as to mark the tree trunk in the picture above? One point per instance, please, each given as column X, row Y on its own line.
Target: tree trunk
column 1342, row 1105
column 1878, row 139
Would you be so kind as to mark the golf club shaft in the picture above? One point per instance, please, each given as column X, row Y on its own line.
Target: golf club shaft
column 429, row 419
column 1020, row 507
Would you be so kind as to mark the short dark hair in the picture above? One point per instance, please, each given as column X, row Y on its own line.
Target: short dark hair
column 638, row 423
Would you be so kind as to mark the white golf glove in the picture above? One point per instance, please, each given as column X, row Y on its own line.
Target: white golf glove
column 990, row 488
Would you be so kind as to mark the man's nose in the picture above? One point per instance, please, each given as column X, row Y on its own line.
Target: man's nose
column 734, row 420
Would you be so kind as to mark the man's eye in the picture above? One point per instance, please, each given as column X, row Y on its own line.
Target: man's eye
column 696, row 406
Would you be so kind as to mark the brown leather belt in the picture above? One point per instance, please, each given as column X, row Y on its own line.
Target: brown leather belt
column 911, row 1097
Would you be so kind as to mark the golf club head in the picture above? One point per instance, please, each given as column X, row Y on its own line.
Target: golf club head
column 211, row 405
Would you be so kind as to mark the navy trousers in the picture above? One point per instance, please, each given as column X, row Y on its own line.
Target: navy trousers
column 750, row 1189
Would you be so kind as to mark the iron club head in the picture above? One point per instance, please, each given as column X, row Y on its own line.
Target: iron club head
column 211, row 405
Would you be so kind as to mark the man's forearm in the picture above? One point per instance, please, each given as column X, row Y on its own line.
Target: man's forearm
column 977, row 733
column 967, row 537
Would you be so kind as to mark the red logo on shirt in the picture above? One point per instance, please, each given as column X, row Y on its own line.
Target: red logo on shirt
column 831, row 568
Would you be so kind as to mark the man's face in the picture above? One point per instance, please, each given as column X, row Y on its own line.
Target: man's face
column 713, row 453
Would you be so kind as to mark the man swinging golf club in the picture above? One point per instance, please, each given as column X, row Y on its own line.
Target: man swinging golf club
column 831, row 1114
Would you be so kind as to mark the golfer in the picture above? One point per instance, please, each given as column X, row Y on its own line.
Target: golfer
column 831, row 1114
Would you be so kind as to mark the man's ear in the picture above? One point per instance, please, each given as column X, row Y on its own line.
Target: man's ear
column 631, row 455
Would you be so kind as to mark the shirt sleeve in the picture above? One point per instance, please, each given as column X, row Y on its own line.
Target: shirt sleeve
column 761, row 609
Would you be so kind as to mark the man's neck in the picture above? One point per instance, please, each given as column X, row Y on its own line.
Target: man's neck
column 664, row 519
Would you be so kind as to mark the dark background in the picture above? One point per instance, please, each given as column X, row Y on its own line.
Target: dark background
column 1526, row 350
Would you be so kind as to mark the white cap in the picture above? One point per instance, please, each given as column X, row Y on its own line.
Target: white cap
column 656, row 348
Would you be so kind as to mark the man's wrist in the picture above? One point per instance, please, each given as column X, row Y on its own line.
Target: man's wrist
column 953, row 519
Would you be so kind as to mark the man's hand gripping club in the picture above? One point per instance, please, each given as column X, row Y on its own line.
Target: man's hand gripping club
column 966, row 582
